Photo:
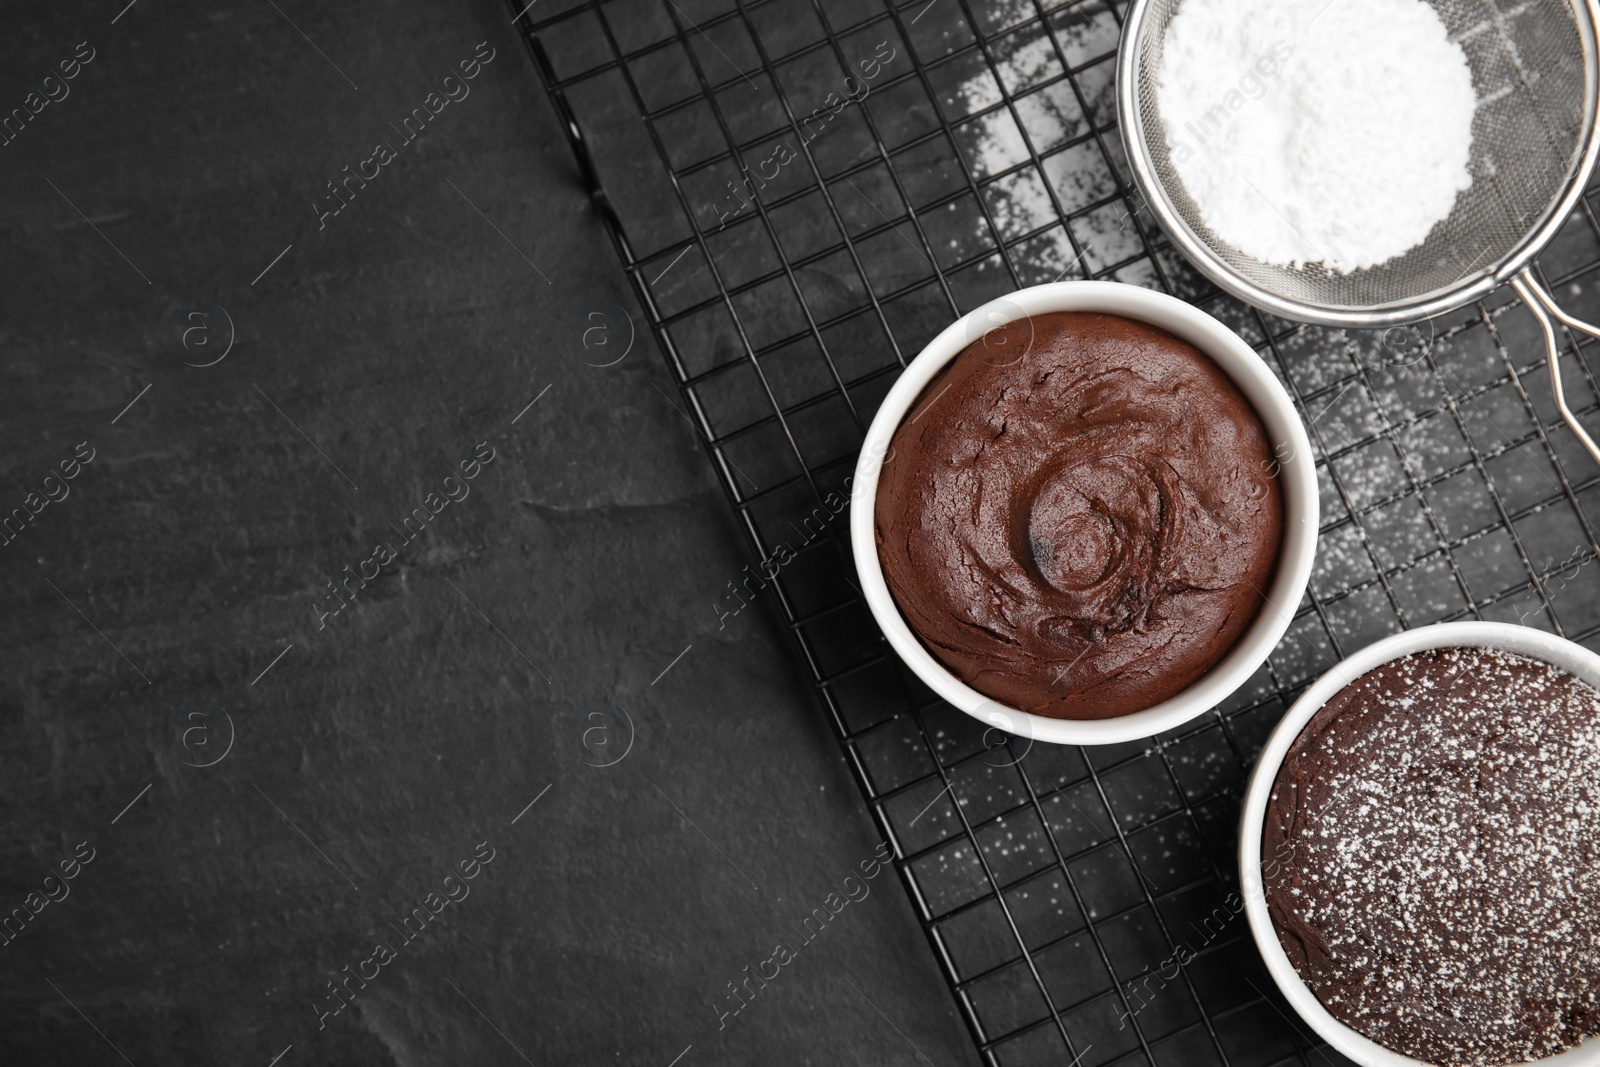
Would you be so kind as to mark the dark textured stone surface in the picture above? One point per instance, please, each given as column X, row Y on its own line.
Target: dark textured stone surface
column 382, row 748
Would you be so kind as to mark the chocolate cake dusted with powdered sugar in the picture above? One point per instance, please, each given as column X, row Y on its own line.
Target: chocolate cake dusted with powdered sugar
column 1442, row 815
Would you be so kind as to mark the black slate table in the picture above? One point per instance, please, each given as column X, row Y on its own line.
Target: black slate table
column 283, row 722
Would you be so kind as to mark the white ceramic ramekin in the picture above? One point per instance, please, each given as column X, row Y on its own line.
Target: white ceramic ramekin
column 1285, row 434
column 1521, row 640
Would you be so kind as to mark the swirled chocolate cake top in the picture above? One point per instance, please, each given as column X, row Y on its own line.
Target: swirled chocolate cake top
column 1079, row 516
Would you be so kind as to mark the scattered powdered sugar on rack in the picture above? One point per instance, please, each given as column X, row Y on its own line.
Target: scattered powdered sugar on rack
column 1332, row 131
column 1443, row 895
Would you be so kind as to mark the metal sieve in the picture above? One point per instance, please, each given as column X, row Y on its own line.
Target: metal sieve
column 1534, row 146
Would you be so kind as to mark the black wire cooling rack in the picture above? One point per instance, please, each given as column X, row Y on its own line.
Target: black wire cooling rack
column 804, row 192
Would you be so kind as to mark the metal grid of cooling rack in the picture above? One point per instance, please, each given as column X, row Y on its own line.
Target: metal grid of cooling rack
column 1075, row 899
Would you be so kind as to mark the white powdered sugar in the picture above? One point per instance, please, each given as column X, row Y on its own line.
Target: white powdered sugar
column 1336, row 131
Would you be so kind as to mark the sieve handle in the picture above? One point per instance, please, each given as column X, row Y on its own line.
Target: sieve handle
column 1543, row 306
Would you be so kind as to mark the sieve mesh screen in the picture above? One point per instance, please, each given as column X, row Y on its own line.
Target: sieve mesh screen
column 1533, row 80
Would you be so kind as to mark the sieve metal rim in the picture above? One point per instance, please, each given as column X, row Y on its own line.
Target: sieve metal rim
column 1473, row 286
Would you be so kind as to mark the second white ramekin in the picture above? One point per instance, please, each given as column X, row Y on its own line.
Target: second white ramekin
column 1520, row 640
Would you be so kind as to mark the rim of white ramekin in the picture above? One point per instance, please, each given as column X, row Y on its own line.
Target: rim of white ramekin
column 1297, row 476
column 1506, row 637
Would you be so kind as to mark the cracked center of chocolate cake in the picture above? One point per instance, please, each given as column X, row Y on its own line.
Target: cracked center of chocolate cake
column 1080, row 515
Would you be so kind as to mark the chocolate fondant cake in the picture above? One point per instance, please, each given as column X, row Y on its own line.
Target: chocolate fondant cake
column 1441, row 822
column 1079, row 516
